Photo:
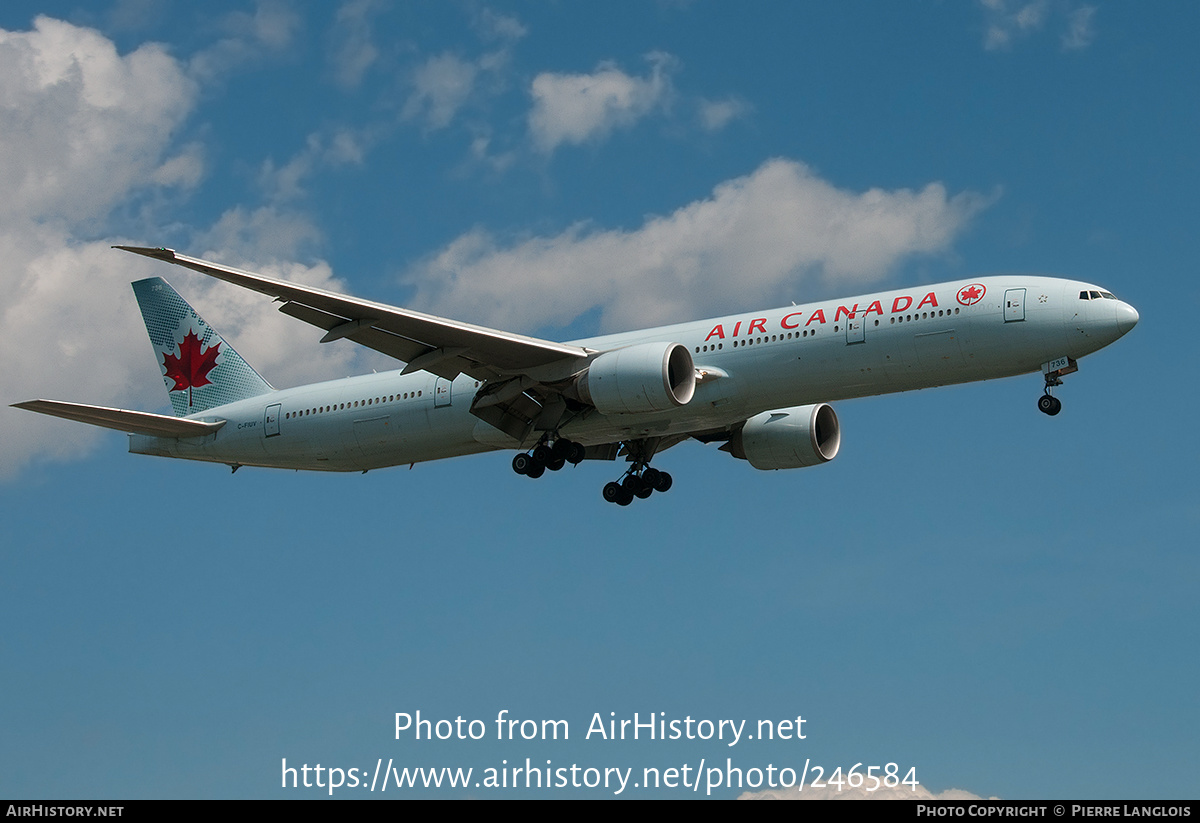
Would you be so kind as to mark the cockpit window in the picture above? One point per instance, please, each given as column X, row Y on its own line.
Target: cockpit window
column 1108, row 295
column 1084, row 296
column 1094, row 295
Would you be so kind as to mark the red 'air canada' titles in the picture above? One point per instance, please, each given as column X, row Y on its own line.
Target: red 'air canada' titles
column 792, row 320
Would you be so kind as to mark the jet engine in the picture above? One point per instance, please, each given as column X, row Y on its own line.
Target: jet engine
column 647, row 377
column 788, row 438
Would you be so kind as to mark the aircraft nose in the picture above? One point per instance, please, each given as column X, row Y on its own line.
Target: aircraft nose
column 1127, row 317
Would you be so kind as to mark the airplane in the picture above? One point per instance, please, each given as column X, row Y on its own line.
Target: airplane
column 759, row 383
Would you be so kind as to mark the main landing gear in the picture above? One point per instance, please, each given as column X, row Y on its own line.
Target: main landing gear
column 553, row 452
column 640, row 481
column 548, row 456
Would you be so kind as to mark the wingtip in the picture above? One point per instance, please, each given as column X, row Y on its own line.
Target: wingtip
column 158, row 253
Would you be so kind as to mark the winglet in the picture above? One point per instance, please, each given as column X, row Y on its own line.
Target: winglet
column 147, row 251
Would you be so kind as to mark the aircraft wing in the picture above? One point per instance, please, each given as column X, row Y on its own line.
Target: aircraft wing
column 138, row 422
column 422, row 341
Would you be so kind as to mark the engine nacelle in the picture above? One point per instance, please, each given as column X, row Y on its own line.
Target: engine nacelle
column 788, row 438
column 648, row 377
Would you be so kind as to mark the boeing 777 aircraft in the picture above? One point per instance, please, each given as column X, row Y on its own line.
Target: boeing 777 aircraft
column 759, row 382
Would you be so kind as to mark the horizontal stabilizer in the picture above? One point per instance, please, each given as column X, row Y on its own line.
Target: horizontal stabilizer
column 136, row 422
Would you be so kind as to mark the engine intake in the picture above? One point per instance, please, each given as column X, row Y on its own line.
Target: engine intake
column 792, row 438
column 647, row 377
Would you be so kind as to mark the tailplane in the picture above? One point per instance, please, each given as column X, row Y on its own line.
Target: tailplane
column 200, row 369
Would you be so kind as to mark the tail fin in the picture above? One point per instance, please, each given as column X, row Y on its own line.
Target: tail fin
column 199, row 368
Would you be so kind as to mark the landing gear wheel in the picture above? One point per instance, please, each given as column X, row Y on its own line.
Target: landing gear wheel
column 543, row 454
column 613, row 492
column 1049, row 404
column 536, row 470
column 576, row 453
column 556, row 463
column 522, row 463
column 663, row 483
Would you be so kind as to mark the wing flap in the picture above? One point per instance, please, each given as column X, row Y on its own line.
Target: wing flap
column 400, row 333
column 136, row 422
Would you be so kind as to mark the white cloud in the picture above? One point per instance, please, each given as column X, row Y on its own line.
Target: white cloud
column 352, row 51
column 270, row 30
column 440, row 88
column 575, row 108
column 286, row 182
column 757, row 239
column 494, row 26
column 1008, row 21
column 717, row 114
column 444, row 84
column 1080, row 29
column 880, row 793
column 82, row 125
column 1006, row 24
column 85, row 129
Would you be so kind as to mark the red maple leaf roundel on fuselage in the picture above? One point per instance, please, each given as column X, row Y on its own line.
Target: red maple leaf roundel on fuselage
column 972, row 294
column 190, row 369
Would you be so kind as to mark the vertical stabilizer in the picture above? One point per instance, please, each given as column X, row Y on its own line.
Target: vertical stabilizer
column 199, row 368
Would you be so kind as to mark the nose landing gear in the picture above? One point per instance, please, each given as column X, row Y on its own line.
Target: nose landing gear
column 1054, row 371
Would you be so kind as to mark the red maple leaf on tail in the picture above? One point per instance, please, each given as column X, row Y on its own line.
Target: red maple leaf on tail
column 190, row 369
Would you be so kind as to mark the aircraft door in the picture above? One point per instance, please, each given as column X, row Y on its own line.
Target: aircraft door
column 271, row 420
column 854, row 330
column 1014, row 305
column 441, row 392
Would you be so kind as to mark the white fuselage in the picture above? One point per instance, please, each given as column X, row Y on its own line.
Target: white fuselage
column 749, row 363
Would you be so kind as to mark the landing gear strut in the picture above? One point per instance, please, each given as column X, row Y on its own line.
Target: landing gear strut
column 639, row 481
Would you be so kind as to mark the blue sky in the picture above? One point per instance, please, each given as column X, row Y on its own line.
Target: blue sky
column 1003, row 600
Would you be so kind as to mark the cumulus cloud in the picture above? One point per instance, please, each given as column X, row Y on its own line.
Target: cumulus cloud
column 82, row 125
column 85, row 130
column 861, row 793
column 576, row 108
column 757, row 239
